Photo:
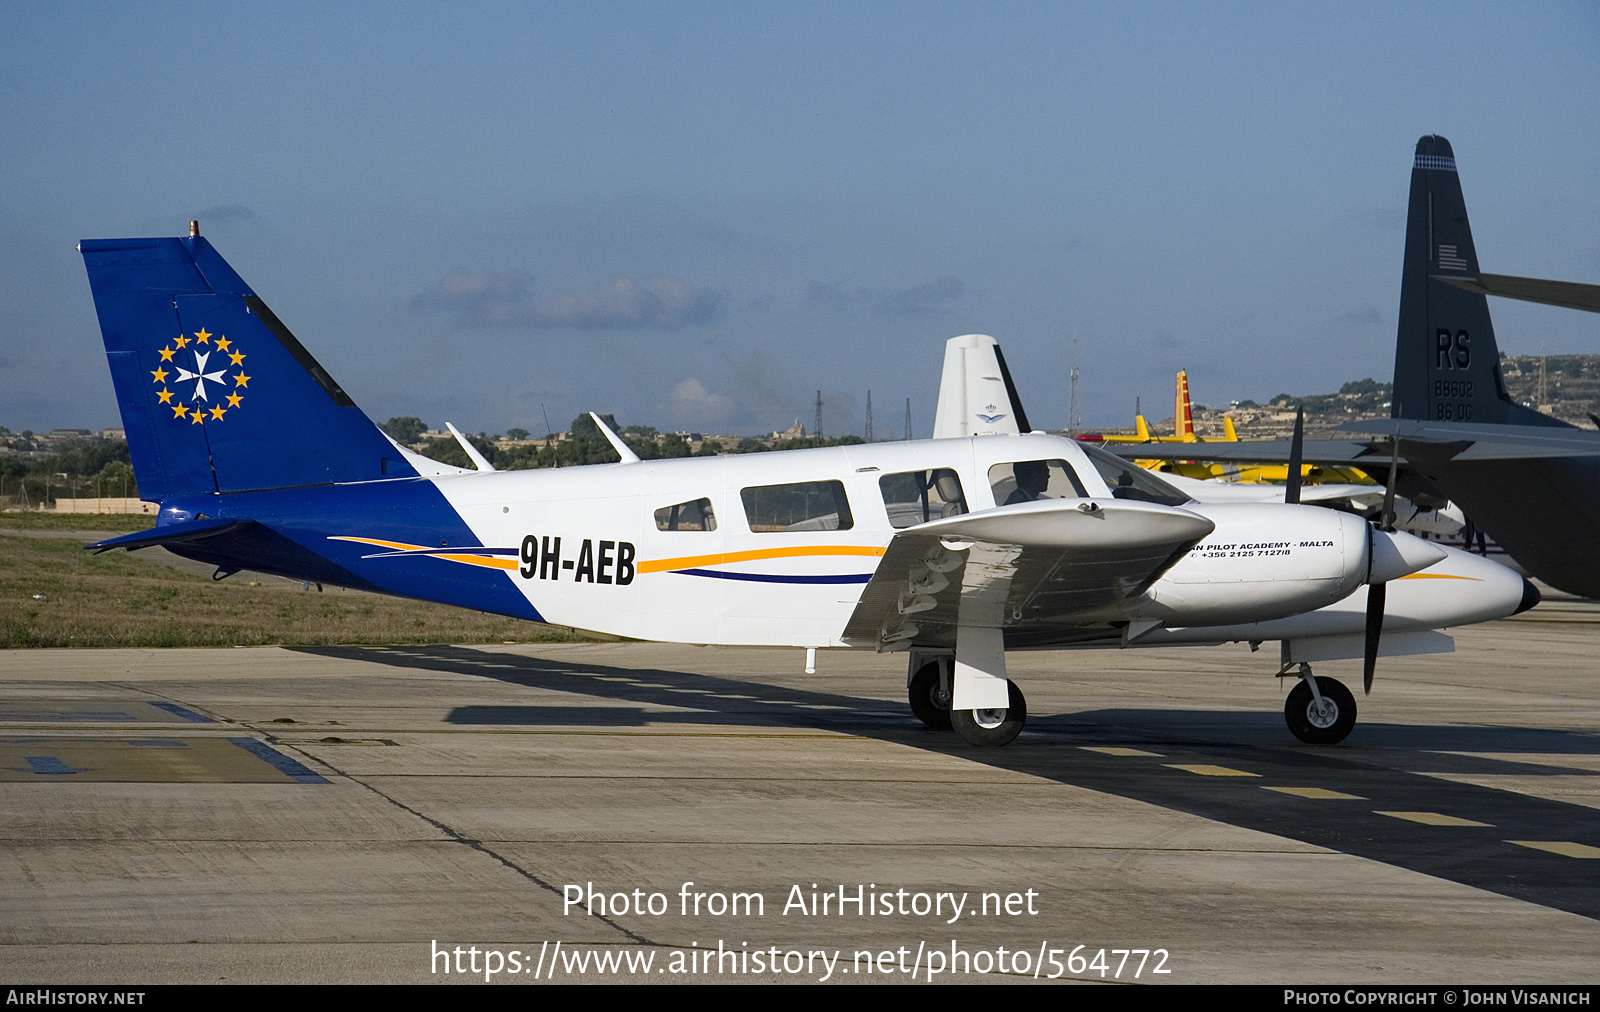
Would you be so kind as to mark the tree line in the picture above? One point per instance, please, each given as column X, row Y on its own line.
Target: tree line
column 76, row 468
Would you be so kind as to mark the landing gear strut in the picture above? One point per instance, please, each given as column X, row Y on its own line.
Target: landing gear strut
column 1322, row 713
column 995, row 727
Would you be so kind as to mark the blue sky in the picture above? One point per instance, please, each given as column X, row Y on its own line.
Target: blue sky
column 696, row 215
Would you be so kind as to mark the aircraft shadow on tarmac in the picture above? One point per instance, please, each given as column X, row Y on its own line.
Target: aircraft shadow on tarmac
column 1234, row 767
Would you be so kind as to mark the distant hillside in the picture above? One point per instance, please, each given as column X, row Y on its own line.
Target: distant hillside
column 1565, row 386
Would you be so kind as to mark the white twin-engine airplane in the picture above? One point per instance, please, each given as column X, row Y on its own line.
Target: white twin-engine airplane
column 953, row 550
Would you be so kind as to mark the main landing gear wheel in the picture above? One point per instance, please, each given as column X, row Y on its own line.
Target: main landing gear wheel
column 992, row 728
column 1327, row 725
column 929, row 702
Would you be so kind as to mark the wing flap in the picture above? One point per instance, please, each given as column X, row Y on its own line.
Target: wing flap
column 1027, row 567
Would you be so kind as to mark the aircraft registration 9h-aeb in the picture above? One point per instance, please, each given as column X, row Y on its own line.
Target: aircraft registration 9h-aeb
column 953, row 550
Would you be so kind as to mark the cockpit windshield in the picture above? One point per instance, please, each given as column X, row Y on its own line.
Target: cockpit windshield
column 1130, row 481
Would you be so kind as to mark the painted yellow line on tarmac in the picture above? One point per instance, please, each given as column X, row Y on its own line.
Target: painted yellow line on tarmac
column 1566, row 848
column 1116, row 750
column 1318, row 793
column 1207, row 770
column 1432, row 819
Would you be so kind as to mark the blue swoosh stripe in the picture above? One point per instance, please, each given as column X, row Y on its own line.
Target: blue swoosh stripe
column 773, row 578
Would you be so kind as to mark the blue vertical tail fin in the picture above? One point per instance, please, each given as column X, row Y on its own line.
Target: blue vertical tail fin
column 216, row 394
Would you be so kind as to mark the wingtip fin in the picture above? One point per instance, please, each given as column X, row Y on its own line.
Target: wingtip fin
column 627, row 455
column 478, row 460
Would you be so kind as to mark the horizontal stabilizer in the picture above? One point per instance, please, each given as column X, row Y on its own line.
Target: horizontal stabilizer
column 1483, row 441
column 171, row 534
column 1566, row 294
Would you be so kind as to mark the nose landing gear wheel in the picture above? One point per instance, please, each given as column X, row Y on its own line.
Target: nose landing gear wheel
column 992, row 728
column 1327, row 725
column 929, row 702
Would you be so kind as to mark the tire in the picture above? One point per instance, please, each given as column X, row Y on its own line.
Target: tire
column 930, row 705
column 992, row 728
column 1320, row 729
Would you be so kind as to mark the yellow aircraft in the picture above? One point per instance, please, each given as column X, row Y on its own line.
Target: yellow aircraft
column 1184, row 432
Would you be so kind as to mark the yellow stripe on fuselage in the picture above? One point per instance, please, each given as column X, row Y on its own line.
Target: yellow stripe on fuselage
column 486, row 561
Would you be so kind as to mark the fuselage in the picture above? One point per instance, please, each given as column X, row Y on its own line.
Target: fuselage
column 768, row 549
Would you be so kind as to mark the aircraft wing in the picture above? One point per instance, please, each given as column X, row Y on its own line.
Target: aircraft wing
column 1266, row 451
column 1455, row 441
column 1567, row 294
column 1030, row 569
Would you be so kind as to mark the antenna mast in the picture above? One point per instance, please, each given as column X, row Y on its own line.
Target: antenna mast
column 1074, row 417
column 817, row 429
column 868, row 432
column 1544, row 384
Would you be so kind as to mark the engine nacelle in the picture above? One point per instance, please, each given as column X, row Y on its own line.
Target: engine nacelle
column 1263, row 561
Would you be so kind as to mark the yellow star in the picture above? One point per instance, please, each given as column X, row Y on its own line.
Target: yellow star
column 203, row 336
column 178, row 410
column 197, row 416
column 237, row 356
column 182, row 342
column 234, row 400
column 241, row 380
column 223, row 344
column 165, row 395
column 166, row 354
column 160, row 375
column 216, row 413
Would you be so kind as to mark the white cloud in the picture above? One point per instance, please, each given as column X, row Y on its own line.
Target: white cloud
column 502, row 300
column 913, row 301
column 693, row 404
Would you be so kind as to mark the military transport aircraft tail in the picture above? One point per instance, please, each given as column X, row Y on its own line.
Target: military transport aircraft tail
column 1446, row 365
column 216, row 394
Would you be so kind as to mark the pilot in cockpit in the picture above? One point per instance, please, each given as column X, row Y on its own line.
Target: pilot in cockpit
column 1033, row 477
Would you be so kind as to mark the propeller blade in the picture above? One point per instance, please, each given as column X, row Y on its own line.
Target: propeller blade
column 1369, row 662
column 1291, row 491
column 1387, row 516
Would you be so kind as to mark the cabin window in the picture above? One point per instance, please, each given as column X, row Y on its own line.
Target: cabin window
column 916, row 497
column 1027, row 480
column 687, row 516
column 1130, row 481
column 802, row 506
